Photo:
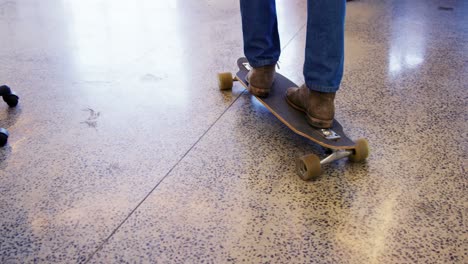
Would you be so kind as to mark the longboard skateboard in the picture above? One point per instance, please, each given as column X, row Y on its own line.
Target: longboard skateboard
column 334, row 139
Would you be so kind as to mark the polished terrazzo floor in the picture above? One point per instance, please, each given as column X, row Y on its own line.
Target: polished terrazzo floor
column 123, row 149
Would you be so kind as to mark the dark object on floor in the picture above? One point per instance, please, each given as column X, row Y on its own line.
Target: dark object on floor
column 12, row 100
column 445, row 8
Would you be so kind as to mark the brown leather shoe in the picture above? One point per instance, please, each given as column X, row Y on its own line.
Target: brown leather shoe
column 319, row 107
column 261, row 79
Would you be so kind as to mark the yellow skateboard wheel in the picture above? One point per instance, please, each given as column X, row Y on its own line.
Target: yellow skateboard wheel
column 361, row 151
column 225, row 80
column 308, row 167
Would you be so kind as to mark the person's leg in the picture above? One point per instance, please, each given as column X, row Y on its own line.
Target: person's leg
column 261, row 43
column 324, row 55
column 260, row 31
column 323, row 67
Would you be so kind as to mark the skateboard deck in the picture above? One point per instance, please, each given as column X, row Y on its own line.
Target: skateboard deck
column 333, row 138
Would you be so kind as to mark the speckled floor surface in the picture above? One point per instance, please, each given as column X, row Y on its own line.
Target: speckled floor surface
column 122, row 149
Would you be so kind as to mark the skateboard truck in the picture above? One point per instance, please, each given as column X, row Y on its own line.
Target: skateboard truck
column 336, row 155
column 309, row 167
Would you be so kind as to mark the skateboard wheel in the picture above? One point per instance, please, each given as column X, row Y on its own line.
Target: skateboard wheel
column 11, row 99
column 3, row 137
column 308, row 167
column 225, row 81
column 4, row 90
column 361, row 152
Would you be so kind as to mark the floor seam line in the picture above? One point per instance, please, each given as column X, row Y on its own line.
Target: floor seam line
column 162, row 179
column 293, row 37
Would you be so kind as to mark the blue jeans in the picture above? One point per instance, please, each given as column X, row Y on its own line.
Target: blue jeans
column 324, row 54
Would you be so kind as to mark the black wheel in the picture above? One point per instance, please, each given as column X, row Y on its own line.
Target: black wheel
column 4, row 90
column 11, row 99
column 3, row 137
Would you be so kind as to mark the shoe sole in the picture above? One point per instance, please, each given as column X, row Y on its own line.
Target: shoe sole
column 317, row 123
column 258, row 91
